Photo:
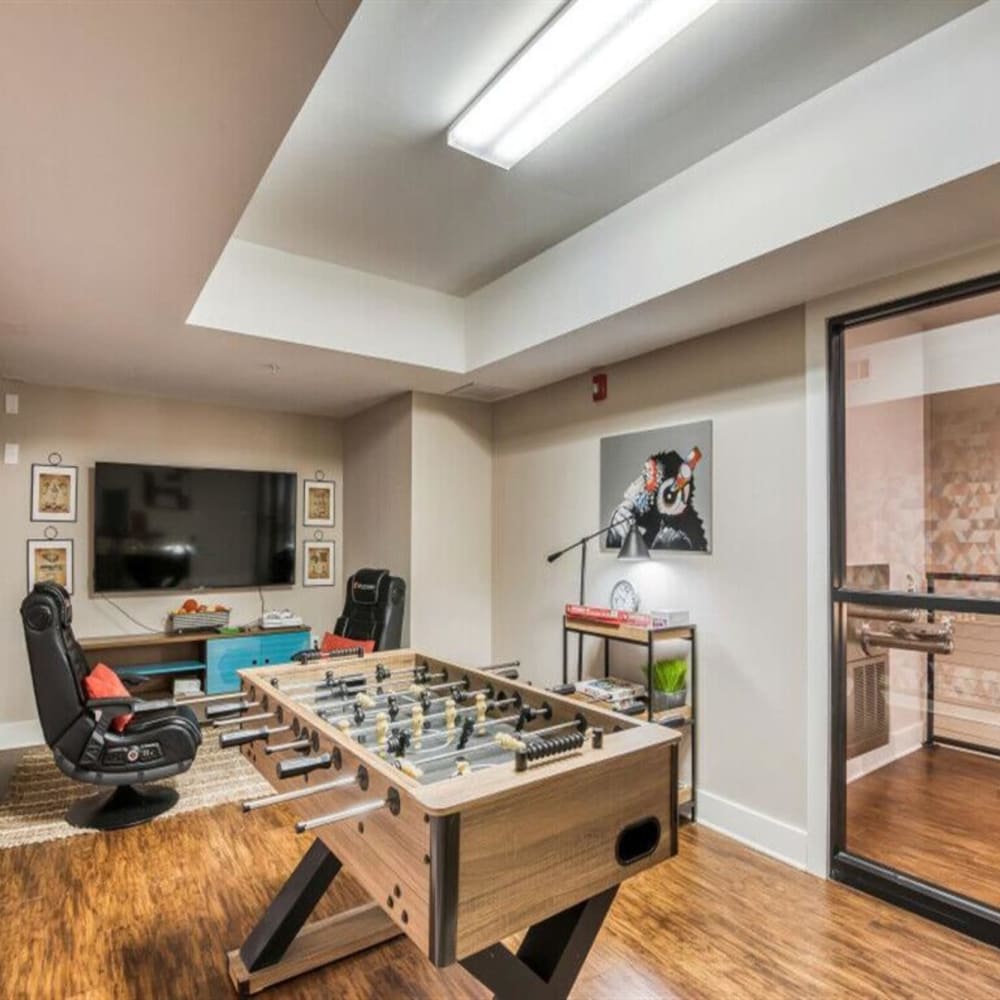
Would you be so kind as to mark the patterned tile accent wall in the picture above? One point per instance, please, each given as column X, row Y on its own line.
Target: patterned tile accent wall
column 963, row 481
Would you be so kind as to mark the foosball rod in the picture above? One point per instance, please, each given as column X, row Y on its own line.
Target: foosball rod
column 238, row 720
column 242, row 736
column 367, row 680
column 292, row 745
column 363, row 809
column 420, row 757
column 299, row 793
column 380, row 690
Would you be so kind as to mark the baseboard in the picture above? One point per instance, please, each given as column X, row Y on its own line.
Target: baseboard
column 770, row 836
column 902, row 742
column 17, row 735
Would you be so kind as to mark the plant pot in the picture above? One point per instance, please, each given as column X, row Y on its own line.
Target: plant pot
column 669, row 699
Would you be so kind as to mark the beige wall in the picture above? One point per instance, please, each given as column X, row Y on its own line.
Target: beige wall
column 452, row 528
column 418, row 490
column 378, row 445
column 85, row 427
column 747, row 597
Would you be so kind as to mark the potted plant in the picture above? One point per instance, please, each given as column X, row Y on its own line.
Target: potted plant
column 669, row 684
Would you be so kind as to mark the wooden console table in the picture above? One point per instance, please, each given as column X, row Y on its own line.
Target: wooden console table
column 214, row 657
column 677, row 718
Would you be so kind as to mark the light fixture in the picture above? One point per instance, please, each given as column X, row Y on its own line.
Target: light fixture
column 634, row 547
column 582, row 52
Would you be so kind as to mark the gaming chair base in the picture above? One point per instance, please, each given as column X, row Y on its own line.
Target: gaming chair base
column 125, row 806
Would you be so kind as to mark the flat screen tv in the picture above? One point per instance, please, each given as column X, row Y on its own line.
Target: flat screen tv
column 160, row 527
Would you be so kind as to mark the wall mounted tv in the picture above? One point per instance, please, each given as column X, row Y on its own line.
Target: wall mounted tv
column 159, row 527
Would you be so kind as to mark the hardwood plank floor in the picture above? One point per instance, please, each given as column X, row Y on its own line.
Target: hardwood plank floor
column 149, row 913
column 934, row 814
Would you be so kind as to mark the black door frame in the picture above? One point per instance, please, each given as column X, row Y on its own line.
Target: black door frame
column 911, row 893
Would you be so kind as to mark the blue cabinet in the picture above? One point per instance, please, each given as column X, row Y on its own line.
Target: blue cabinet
column 226, row 655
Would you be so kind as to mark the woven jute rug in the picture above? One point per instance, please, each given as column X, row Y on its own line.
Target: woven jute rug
column 39, row 794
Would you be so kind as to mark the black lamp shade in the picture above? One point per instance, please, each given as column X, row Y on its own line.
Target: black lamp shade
column 634, row 546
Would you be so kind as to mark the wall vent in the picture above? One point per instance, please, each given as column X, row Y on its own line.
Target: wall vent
column 481, row 393
column 867, row 710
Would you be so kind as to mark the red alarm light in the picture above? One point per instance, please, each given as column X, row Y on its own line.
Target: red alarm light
column 599, row 387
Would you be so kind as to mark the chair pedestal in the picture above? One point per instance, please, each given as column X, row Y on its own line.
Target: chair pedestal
column 125, row 806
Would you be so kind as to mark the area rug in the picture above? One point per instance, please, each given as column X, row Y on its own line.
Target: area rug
column 39, row 794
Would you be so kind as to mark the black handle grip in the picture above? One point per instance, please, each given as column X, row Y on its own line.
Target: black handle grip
column 242, row 736
column 632, row 708
column 293, row 768
column 225, row 708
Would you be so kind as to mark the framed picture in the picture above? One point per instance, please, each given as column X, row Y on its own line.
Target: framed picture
column 53, row 493
column 318, row 564
column 660, row 481
column 50, row 560
column 318, row 503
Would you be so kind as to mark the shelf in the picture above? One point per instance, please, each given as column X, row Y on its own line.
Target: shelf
column 159, row 669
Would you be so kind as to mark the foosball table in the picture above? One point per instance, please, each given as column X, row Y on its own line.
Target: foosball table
column 468, row 804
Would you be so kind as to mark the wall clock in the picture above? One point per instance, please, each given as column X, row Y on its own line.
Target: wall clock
column 624, row 597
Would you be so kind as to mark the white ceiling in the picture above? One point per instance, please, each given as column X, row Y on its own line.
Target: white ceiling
column 365, row 179
column 132, row 137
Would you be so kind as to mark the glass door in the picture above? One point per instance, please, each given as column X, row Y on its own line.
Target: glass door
column 915, row 560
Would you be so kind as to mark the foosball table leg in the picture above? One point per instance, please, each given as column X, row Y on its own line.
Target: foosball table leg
column 282, row 945
column 550, row 957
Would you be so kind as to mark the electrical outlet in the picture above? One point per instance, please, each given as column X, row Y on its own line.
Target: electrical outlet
column 11, row 453
column 11, row 402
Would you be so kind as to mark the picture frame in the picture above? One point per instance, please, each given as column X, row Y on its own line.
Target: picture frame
column 319, row 564
column 53, row 493
column 659, row 481
column 50, row 560
column 319, row 503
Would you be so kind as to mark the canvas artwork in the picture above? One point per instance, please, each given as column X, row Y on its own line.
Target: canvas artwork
column 53, row 493
column 662, row 481
column 318, row 503
column 50, row 561
column 318, row 564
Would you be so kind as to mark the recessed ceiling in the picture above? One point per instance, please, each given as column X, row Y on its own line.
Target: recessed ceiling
column 365, row 178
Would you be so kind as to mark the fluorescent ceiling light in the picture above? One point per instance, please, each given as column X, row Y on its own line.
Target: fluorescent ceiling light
column 582, row 52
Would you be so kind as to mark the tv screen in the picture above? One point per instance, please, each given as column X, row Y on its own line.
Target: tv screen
column 159, row 527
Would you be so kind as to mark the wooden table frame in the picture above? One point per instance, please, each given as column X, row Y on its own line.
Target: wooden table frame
column 634, row 635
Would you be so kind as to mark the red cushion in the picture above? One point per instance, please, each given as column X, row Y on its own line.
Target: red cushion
column 103, row 682
column 331, row 642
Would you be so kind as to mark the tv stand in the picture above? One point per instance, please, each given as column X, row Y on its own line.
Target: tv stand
column 212, row 656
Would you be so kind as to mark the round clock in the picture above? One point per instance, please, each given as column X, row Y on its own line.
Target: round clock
column 624, row 597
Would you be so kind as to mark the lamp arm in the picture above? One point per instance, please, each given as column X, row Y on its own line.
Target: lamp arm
column 552, row 557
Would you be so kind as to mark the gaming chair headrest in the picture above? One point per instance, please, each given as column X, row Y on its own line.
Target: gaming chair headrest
column 46, row 605
column 367, row 586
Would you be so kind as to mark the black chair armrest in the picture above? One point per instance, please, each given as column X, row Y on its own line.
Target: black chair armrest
column 131, row 680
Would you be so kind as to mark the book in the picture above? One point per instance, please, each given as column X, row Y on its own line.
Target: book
column 611, row 689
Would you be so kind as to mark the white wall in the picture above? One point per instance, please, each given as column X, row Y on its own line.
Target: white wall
column 85, row 427
column 452, row 524
column 747, row 597
column 378, row 445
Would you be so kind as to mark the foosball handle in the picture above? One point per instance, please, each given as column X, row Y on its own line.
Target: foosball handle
column 563, row 689
column 242, row 736
column 226, row 708
column 293, row 768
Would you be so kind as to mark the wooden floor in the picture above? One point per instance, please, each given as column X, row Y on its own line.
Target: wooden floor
column 148, row 913
column 934, row 814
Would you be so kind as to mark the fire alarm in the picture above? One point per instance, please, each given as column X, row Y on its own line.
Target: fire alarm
column 599, row 387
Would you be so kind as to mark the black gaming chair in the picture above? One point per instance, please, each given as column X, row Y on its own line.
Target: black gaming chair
column 161, row 740
column 374, row 608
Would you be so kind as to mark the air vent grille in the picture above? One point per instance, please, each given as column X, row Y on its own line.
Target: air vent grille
column 481, row 393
